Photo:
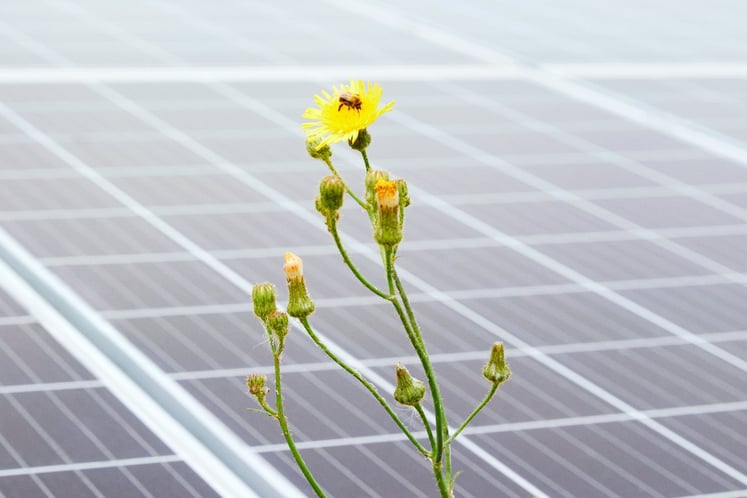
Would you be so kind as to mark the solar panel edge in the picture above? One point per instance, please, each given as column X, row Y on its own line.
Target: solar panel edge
column 202, row 441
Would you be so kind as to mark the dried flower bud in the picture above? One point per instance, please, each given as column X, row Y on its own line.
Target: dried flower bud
column 331, row 193
column 496, row 369
column 263, row 297
column 300, row 304
column 362, row 141
column 256, row 385
column 322, row 153
column 409, row 391
column 388, row 229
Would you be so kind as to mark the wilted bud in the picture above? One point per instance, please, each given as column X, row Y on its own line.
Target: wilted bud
column 372, row 178
column 388, row 230
column 277, row 324
column 263, row 297
column 331, row 193
column 496, row 369
column 318, row 152
column 256, row 385
column 299, row 302
column 363, row 140
column 409, row 391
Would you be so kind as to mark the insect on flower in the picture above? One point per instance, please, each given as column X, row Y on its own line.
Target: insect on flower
column 351, row 101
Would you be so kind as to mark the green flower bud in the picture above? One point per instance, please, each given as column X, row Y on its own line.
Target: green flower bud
column 409, row 391
column 331, row 193
column 323, row 153
column 300, row 304
column 388, row 229
column 277, row 325
column 496, row 369
column 256, row 385
column 362, row 141
column 404, row 197
column 372, row 178
column 263, row 297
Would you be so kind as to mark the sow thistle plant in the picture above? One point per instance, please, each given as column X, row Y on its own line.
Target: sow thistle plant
column 345, row 115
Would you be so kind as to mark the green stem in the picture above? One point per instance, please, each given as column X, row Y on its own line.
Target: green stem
column 472, row 415
column 286, row 431
column 443, row 487
column 365, row 160
column 370, row 387
column 357, row 199
column 417, row 342
column 426, row 423
column 332, row 223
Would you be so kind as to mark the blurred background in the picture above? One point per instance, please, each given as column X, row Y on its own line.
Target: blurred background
column 578, row 175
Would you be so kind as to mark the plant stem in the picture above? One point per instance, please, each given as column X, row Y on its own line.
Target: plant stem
column 370, row 387
column 357, row 199
column 286, row 431
column 472, row 415
column 332, row 223
column 417, row 341
column 426, row 423
column 365, row 160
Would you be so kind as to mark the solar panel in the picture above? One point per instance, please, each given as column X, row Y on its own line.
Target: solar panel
column 577, row 176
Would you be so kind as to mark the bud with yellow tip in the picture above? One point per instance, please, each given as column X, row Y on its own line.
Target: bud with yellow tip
column 300, row 304
column 388, row 229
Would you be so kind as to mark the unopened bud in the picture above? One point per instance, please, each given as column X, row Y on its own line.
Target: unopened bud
column 388, row 230
column 256, row 385
column 277, row 325
column 496, row 369
column 300, row 304
column 317, row 151
column 404, row 196
column 263, row 297
column 409, row 391
column 331, row 193
column 362, row 141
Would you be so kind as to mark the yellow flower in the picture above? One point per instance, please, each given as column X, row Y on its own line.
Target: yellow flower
column 340, row 116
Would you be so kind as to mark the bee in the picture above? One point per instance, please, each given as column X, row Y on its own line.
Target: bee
column 350, row 100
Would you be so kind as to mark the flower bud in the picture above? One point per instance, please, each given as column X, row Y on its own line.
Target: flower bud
column 316, row 151
column 299, row 302
column 404, row 196
column 409, row 391
column 496, row 369
column 256, row 385
column 263, row 297
column 362, row 141
column 277, row 325
column 331, row 193
column 388, row 229
column 372, row 178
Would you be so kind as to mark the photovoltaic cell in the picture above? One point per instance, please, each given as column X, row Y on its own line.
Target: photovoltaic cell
column 590, row 218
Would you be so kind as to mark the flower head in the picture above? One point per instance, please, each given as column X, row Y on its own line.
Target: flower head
column 343, row 114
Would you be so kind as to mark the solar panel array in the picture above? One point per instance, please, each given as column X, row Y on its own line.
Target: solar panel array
column 590, row 215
